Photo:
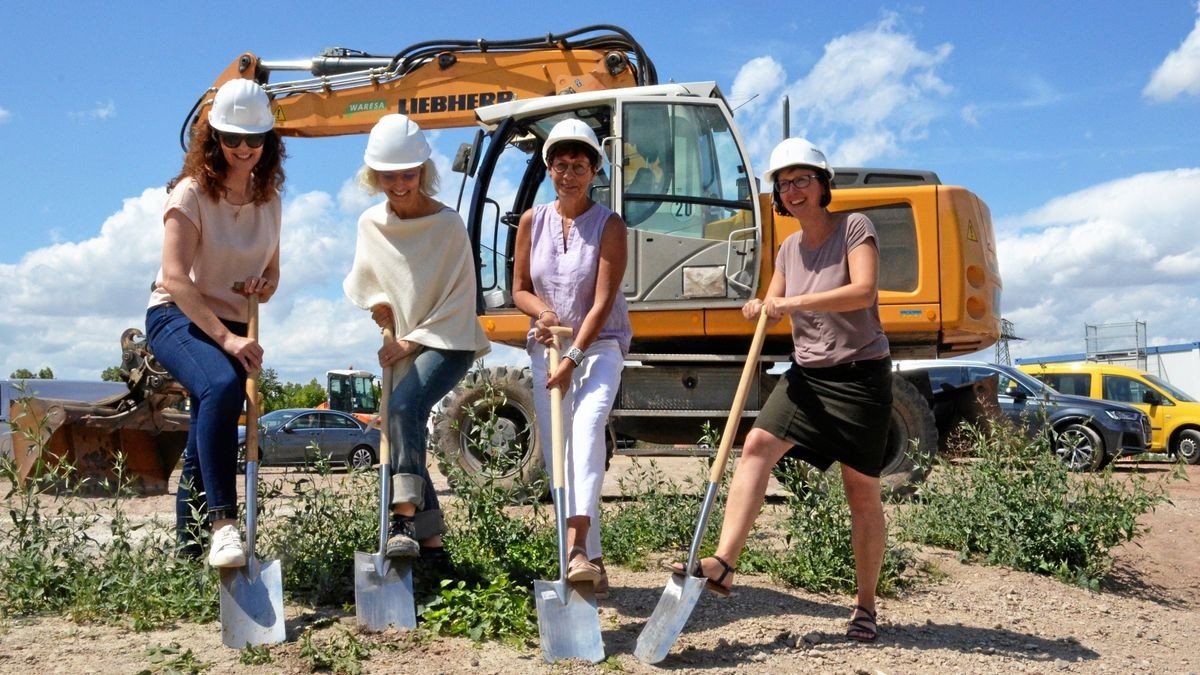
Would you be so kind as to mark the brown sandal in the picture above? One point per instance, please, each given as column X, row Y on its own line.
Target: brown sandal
column 863, row 627
column 712, row 585
column 580, row 568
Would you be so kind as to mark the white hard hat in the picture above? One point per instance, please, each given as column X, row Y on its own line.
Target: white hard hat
column 241, row 107
column 396, row 143
column 571, row 130
column 796, row 152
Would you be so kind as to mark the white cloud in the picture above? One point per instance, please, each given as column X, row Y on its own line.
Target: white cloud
column 102, row 111
column 5, row 115
column 1179, row 73
column 1104, row 254
column 871, row 92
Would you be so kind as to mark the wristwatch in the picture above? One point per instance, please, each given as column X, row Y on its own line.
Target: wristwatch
column 576, row 355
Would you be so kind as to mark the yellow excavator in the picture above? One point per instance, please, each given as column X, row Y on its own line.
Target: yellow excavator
column 702, row 238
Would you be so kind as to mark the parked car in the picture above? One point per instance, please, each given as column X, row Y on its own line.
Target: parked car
column 1087, row 434
column 294, row 436
column 1174, row 415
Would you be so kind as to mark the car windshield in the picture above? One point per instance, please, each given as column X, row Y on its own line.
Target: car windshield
column 1028, row 381
column 1176, row 393
column 275, row 419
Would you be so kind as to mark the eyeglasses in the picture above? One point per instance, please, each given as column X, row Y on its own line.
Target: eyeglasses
column 232, row 140
column 561, row 168
column 798, row 183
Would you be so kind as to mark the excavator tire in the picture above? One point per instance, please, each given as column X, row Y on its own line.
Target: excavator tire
column 486, row 434
column 912, row 442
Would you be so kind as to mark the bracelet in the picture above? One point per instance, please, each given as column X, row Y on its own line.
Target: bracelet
column 539, row 316
column 576, row 355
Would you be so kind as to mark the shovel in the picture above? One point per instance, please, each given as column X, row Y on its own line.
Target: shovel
column 252, row 596
column 383, row 589
column 568, row 620
column 683, row 590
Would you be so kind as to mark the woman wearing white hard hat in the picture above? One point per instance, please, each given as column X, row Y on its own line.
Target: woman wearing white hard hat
column 412, row 269
column 570, row 257
column 834, row 403
column 222, row 224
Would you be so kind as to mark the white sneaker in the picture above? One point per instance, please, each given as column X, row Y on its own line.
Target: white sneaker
column 227, row 549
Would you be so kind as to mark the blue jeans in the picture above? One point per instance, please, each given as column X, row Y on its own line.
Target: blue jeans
column 433, row 374
column 217, row 385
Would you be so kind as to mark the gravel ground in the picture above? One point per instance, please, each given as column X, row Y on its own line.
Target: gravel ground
column 970, row 619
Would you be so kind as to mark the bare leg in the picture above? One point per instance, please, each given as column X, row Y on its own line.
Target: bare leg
column 868, row 532
column 577, row 532
column 746, row 494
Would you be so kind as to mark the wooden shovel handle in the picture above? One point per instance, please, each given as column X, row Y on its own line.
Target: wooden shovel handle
column 389, row 336
column 252, row 382
column 556, row 421
column 739, row 399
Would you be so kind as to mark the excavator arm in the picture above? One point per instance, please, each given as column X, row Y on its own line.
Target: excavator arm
column 438, row 83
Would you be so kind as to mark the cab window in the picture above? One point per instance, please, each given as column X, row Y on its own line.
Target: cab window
column 896, row 229
column 1125, row 389
column 683, row 172
column 1075, row 384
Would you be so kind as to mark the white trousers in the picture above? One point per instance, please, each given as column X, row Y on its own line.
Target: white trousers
column 585, row 415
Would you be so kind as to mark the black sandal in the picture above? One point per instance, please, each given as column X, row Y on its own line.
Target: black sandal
column 713, row 585
column 863, row 627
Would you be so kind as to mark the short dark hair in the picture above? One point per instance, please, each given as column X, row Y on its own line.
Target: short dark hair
column 573, row 148
column 826, row 195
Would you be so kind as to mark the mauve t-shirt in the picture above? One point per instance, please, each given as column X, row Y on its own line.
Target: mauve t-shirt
column 825, row 339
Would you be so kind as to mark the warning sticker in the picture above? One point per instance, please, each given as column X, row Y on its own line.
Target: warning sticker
column 971, row 233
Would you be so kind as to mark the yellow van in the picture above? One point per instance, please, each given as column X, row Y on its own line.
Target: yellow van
column 1174, row 415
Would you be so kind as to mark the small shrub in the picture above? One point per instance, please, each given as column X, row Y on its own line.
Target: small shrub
column 498, row 610
column 655, row 514
column 343, row 653
column 1017, row 505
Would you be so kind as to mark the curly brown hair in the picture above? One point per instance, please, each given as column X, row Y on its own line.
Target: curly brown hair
column 205, row 163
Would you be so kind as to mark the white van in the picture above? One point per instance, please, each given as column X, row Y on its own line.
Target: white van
column 67, row 390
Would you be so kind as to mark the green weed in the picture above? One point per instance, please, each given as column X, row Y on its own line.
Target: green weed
column 499, row 610
column 343, row 653
column 174, row 659
column 255, row 656
column 1018, row 505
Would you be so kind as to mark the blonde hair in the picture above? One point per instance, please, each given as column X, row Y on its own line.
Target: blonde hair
column 368, row 179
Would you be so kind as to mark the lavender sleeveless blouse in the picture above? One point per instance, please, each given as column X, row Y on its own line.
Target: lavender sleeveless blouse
column 566, row 279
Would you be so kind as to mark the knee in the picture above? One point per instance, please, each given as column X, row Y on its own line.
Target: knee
column 763, row 446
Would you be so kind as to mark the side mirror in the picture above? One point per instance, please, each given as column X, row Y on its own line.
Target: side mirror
column 462, row 158
column 287, row 428
column 1017, row 394
column 1152, row 397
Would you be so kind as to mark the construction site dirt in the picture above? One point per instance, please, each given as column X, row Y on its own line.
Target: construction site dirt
column 969, row 619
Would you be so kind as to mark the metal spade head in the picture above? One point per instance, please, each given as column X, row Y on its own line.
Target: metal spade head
column 671, row 614
column 568, row 622
column 383, row 592
column 252, row 604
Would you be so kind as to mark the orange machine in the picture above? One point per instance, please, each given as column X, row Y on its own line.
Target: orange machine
column 702, row 236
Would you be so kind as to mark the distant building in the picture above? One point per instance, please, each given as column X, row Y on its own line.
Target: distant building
column 1177, row 364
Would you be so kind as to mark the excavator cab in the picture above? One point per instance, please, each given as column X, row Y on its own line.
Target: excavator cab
column 675, row 169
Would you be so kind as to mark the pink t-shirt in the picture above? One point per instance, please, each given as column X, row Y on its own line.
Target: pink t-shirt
column 825, row 339
column 235, row 242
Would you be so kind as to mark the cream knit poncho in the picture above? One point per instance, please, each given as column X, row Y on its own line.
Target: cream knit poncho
column 422, row 268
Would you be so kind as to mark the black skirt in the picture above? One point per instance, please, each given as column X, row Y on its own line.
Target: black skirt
column 837, row 414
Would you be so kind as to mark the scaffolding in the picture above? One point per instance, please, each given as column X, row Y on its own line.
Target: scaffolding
column 1122, row 343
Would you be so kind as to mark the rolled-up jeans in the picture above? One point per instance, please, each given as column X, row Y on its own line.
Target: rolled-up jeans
column 216, row 383
column 433, row 373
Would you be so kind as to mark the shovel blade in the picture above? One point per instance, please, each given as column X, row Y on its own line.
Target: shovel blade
column 568, row 622
column 671, row 614
column 252, row 605
column 383, row 601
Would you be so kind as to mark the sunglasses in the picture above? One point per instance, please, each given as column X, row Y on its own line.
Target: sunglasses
column 232, row 140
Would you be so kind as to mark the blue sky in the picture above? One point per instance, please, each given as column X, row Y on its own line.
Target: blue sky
column 1076, row 123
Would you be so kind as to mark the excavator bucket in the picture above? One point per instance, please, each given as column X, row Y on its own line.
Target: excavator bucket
column 142, row 426
column 89, row 437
